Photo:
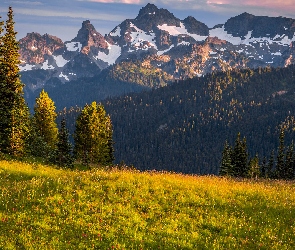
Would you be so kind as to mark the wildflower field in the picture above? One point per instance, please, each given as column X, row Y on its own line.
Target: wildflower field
column 47, row 208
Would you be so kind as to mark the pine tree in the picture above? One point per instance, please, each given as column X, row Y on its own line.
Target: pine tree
column 63, row 153
column 263, row 168
column 280, row 168
column 270, row 165
column 254, row 168
column 289, row 174
column 44, row 126
column 240, row 157
column 93, row 136
column 14, row 113
column 226, row 161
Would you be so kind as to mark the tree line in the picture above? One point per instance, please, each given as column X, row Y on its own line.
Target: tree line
column 236, row 162
column 23, row 134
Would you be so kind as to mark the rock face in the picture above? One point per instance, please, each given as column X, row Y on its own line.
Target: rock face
column 160, row 43
column 90, row 39
column 34, row 47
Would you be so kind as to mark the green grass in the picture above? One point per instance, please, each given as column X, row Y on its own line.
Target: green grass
column 46, row 208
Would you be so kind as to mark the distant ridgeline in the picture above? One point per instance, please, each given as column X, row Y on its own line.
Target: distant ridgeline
column 183, row 127
column 149, row 51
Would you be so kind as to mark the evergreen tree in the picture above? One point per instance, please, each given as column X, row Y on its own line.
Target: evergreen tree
column 93, row 136
column 263, row 168
column 14, row 113
column 254, row 169
column 63, row 153
column 270, row 165
column 240, row 157
column 289, row 164
column 280, row 168
column 226, row 161
column 44, row 126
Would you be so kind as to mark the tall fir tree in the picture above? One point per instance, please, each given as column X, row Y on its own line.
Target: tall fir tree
column 63, row 153
column 44, row 127
column 263, row 168
column 93, row 136
column 226, row 167
column 14, row 113
column 254, row 168
column 280, row 167
column 240, row 157
column 270, row 165
column 289, row 164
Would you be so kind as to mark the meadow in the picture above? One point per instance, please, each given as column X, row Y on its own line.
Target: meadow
column 43, row 207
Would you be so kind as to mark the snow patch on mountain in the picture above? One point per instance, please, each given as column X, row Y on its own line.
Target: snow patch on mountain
column 64, row 76
column 164, row 51
column 74, row 46
column 222, row 34
column 141, row 36
column 117, row 32
column 183, row 43
column 175, row 31
column 46, row 65
column 112, row 56
column 26, row 67
column 60, row 61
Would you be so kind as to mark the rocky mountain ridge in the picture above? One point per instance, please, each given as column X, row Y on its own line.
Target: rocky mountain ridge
column 160, row 44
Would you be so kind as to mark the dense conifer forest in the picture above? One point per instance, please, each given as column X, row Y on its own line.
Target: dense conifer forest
column 183, row 127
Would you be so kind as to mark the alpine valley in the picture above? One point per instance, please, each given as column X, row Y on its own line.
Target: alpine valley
column 175, row 89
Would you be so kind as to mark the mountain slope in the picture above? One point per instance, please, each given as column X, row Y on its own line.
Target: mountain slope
column 183, row 127
column 156, row 44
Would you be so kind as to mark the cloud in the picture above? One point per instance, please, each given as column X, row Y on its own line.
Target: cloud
column 265, row 7
column 116, row 1
column 72, row 14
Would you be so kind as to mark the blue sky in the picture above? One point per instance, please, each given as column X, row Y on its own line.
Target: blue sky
column 63, row 18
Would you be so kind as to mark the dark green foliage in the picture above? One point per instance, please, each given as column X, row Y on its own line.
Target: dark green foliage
column 14, row 114
column 93, row 136
column 280, row 167
column 263, row 168
column 289, row 164
column 240, row 158
column 63, row 154
column 226, row 167
column 270, row 165
column 254, row 168
column 182, row 127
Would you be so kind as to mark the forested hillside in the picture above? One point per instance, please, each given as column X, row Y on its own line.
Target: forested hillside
column 183, row 127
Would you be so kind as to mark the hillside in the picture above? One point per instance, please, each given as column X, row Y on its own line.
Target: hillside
column 44, row 207
column 183, row 127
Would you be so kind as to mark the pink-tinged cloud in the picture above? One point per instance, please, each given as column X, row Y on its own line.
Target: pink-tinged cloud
column 117, row 1
column 256, row 7
column 279, row 5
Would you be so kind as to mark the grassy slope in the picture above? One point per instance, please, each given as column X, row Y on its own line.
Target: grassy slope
column 47, row 208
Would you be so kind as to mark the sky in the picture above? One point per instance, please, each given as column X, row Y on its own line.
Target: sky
column 63, row 18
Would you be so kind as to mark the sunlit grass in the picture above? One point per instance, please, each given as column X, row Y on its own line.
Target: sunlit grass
column 46, row 208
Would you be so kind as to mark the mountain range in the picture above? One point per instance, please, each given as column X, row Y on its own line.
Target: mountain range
column 152, row 50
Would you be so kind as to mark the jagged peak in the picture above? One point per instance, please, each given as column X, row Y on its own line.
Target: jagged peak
column 194, row 26
column 246, row 15
column 89, row 37
column 86, row 31
column 38, row 37
column 33, row 35
column 148, row 9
